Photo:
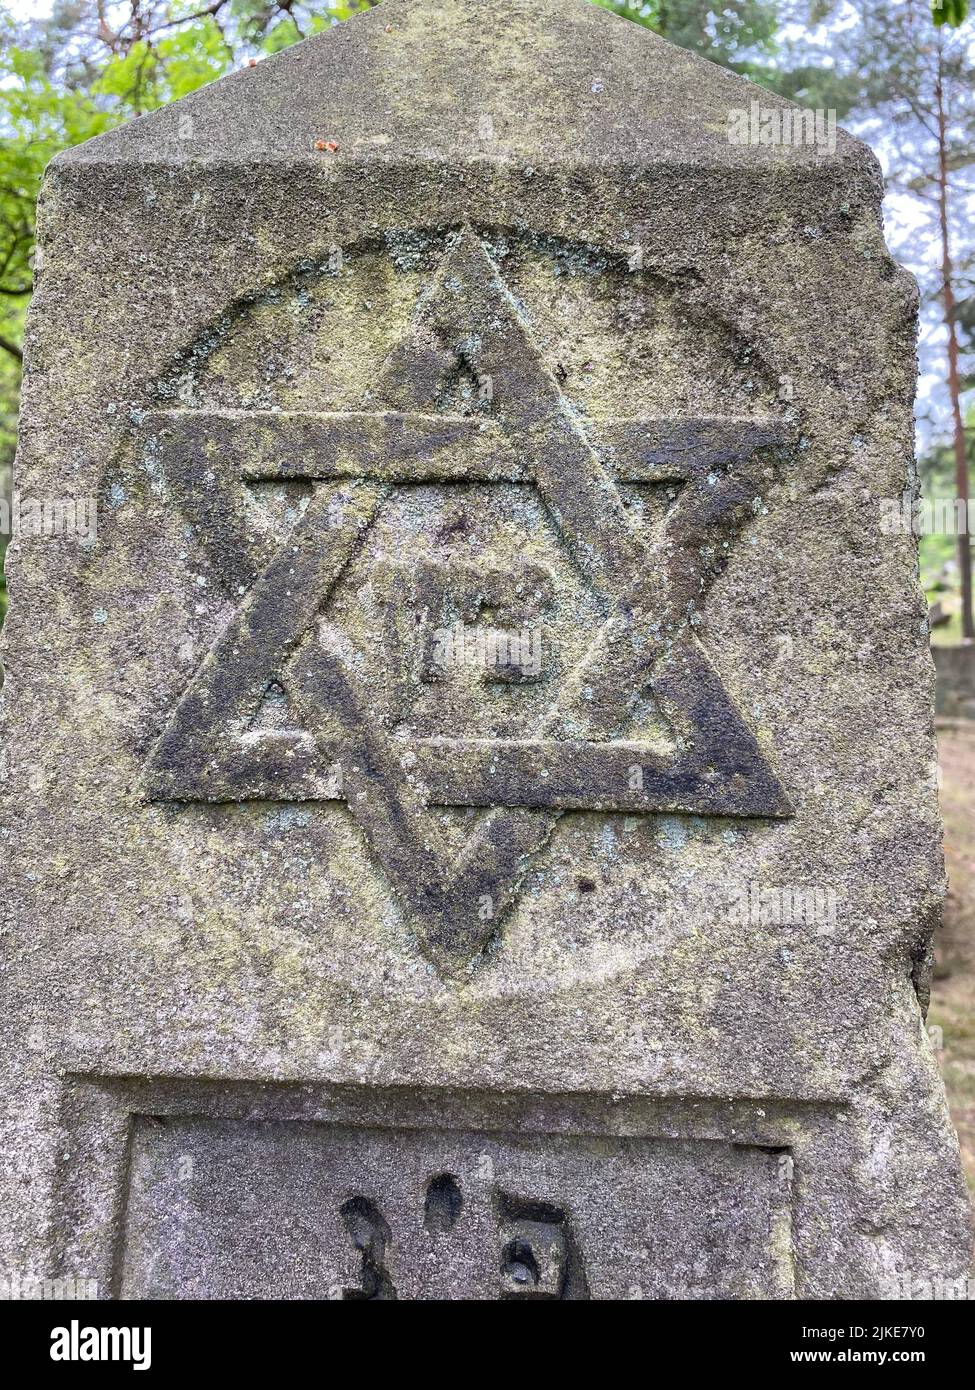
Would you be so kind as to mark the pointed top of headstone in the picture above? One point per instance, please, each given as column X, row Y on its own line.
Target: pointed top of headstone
column 549, row 82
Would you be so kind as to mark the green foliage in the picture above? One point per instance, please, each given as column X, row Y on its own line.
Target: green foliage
column 950, row 12
column 739, row 34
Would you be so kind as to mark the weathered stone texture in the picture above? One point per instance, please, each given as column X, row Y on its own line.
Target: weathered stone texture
column 479, row 963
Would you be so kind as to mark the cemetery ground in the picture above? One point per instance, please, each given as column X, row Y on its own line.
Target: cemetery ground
column 953, row 993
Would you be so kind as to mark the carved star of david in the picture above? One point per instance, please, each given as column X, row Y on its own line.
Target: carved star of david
column 531, row 433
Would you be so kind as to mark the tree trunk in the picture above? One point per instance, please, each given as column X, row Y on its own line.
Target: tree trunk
column 954, row 384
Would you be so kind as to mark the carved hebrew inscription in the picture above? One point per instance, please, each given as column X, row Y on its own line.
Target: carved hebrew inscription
column 228, row 1208
column 546, row 661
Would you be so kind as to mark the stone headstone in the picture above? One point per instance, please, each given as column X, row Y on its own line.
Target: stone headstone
column 471, row 813
column 955, row 667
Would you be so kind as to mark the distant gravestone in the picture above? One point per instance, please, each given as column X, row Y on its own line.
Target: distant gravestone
column 472, row 812
column 955, row 667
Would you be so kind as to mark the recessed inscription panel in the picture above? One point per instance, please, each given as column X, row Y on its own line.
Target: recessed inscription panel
column 251, row 1209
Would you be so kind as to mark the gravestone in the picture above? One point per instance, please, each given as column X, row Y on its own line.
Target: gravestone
column 471, row 812
column 955, row 667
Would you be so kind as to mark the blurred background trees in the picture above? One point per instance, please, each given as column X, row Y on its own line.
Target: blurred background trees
column 895, row 71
